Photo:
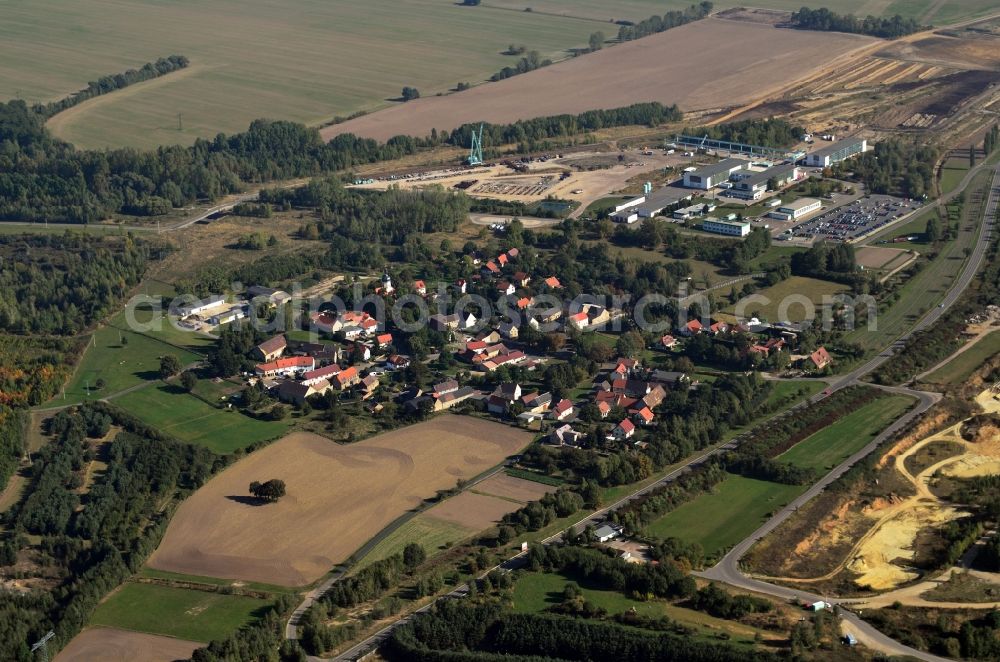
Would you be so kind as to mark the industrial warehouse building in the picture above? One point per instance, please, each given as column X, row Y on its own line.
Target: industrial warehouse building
column 837, row 152
column 793, row 211
column 729, row 228
column 753, row 185
column 710, row 176
column 650, row 205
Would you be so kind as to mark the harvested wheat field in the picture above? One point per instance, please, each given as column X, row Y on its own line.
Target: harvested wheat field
column 113, row 645
column 338, row 497
column 712, row 63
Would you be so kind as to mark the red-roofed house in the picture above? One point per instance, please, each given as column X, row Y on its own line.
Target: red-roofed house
column 563, row 409
column 604, row 408
column 691, row 328
column 397, row 362
column 383, row 340
column 623, row 430
column 553, row 283
column 820, row 358
column 346, row 378
column 513, row 253
column 718, row 327
column 460, row 284
column 285, row 366
column 644, row 416
column 668, row 341
column 502, row 259
column 523, row 303
column 320, row 374
column 420, row 287
column 490, row 269
column 578, row 321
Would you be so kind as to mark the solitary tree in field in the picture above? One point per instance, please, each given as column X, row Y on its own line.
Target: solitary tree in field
column 188, row 380
column 596, row 41
column 269, row 491
column 410, row 93
column 170, row 365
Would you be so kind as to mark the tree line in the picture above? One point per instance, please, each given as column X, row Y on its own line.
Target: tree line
column 894, row 167
column 106, row 84
column 45, row 178
column 656, row 23
column 824, row 20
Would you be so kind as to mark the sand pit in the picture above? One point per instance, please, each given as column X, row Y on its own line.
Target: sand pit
column 338, row 497
column 475, row 511
column 894, row 540
column 113, row 645
column 712, row 63
column 509, row 487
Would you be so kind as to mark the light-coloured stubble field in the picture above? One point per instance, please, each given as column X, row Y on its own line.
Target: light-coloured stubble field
column 114, row 645
column 712, row 63
column 338, row 497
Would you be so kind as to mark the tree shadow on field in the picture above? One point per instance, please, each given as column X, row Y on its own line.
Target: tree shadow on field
column 246, row 500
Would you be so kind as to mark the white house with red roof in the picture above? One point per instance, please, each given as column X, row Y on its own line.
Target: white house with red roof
column 693, row 327
column 286, row 366
column 420, row 287
column 644, row 416
column 562, row 410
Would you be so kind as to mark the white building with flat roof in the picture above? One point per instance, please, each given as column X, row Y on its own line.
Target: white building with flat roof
column 797, row 209
column 728, row 228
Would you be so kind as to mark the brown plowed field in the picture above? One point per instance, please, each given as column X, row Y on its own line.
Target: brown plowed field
column 475, row 511
column 338, row 497
column 713, row 63
column 519, row 489
column 112, row 645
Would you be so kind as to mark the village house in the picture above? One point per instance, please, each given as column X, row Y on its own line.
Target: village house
column 505, row 289
column 607, row 531
column 320, row 374
column 562, row 410
column 522, row 279
column 420, row 288
column 298, row 392
column 326, row 322
column 319, row 351
column 285, row 367
column 623, row 430
column 383, row 340
column 397, row 362
column 565, row 435
column 453, row 322
column 449, row 386
column 509, row 331
column 461, row 285
column 579, row 321
column 346, row 378
column 504, row 395
column 644, row 416
column 820, row 358
column 537, row 403
column 553, row 283
column 368, row 386
column 270, row 349
column 452, row 398
column 603, row 409
column 692, row 328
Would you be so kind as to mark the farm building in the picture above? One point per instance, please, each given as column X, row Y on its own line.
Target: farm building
column 837, row 152
column 274, row 297
column 228, row 317
column 320, row 374
column 753, row 185
column 710, row 176
column 297, row 392
column 795, row 210
column 452, row 398
column 729, row 228
column 271, row 349
column 201, row 306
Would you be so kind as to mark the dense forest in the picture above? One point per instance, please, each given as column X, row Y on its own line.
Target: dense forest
column 92, row 540
column 106, row 84
column 824, row 20
column 62, row 283
column 42, row 178
column 656, row 23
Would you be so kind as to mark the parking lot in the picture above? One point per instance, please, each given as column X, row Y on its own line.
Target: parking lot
column 857, row 219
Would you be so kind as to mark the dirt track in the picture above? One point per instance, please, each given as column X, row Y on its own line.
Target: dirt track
column 749, row 60
column 113, row 645
column 338, row 498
